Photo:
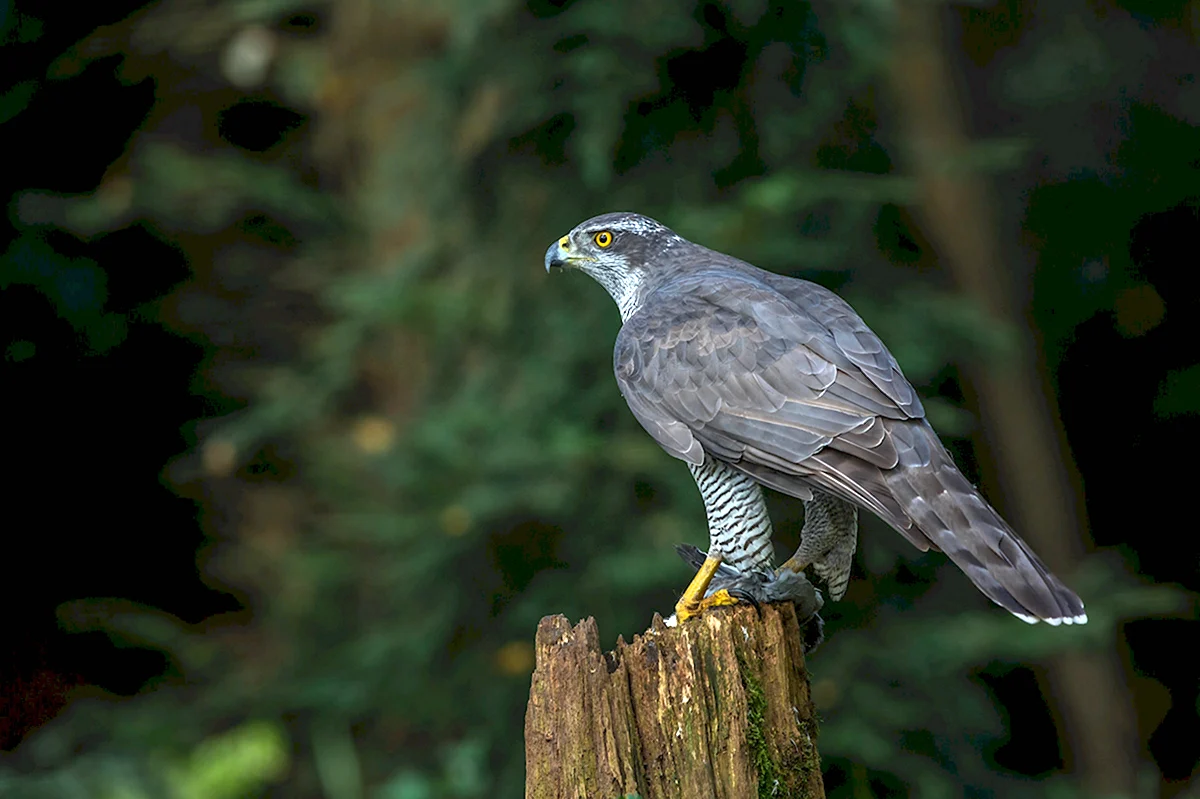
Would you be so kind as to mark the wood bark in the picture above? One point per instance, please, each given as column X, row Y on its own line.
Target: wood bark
column 716, row 707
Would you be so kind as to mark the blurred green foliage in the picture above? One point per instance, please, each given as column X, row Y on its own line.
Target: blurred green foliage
column 433, row 453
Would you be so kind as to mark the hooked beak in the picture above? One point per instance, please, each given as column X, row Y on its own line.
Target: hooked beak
column 557, row 255
column 561, row 255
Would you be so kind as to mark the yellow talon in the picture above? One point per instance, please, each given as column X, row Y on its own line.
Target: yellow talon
column 718, row 599
column 693, row 602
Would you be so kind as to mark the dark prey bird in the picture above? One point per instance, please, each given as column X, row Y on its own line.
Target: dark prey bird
column 754, row 379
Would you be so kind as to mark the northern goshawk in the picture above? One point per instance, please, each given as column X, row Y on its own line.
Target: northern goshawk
column 755, row 379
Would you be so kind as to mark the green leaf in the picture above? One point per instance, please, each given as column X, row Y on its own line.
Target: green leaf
column 233, row 764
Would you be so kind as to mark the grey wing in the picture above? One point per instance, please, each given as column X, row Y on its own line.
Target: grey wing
column 856, row 342
column 722, row 364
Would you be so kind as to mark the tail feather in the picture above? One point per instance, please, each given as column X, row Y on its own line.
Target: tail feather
column 956, row 519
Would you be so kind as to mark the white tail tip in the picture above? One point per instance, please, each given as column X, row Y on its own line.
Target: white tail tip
column 1080, row 619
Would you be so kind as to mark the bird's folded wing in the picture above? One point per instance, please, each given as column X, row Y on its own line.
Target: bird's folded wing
column 727, row 365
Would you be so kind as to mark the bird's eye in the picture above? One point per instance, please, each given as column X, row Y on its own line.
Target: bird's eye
column 603, row 238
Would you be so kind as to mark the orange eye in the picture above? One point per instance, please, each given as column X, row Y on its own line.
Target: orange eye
column 603, row 238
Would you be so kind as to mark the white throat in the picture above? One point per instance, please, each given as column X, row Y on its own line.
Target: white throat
column 624, row 286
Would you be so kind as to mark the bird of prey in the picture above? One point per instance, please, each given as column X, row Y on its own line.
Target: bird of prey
column 756, row 379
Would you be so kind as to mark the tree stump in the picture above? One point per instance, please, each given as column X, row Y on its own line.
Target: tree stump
column 716, row 707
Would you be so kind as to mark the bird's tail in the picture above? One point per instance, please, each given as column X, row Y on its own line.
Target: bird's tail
column 956, row 519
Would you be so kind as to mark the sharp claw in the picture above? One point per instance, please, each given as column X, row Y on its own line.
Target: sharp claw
column 747, row 597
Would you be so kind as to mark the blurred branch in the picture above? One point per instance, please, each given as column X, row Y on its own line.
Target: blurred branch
column 1019, row 417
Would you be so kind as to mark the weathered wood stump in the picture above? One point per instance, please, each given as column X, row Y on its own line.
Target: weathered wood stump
column 717, row 707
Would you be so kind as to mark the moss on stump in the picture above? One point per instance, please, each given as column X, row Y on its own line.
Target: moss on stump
column 718, row 707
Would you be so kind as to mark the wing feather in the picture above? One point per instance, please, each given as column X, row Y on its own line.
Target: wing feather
column 754, row 378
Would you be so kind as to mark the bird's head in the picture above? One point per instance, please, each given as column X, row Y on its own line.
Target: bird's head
column 617, row 250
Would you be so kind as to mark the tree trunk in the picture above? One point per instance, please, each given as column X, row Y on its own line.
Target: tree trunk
column 1014, row 402
column 717, row 707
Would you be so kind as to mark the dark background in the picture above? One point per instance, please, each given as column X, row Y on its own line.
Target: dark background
column 302, row 442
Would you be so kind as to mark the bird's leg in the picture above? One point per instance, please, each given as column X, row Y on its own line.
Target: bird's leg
column 827, row 542
column 795, row 563
column 739, row 533
column 816, row 538
column 810, row 549
column 798, row 562
column 693, row 602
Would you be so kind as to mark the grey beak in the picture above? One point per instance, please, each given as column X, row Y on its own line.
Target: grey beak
column 554, row 257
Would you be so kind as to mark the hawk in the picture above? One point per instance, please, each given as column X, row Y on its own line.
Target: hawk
column 755, row 379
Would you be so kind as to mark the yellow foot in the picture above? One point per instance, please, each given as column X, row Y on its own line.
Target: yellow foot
column 793, row 564
column 693, row 602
